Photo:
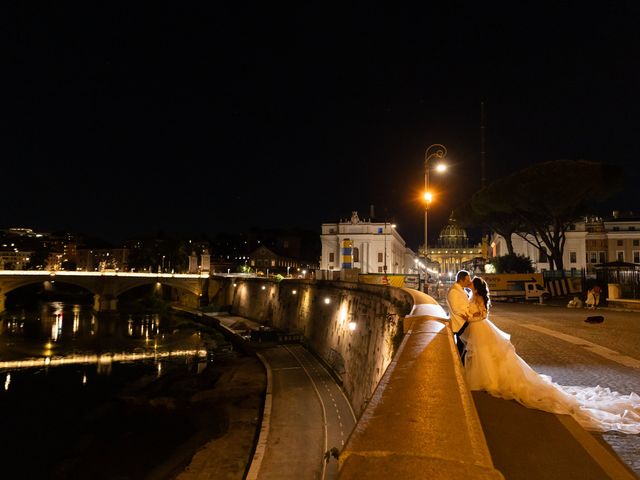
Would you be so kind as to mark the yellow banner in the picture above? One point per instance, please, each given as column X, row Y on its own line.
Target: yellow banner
column 381, row 279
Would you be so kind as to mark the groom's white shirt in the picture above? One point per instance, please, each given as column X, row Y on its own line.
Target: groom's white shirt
column 458, row 302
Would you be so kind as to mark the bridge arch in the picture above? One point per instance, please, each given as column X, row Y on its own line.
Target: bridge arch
column 105, row 287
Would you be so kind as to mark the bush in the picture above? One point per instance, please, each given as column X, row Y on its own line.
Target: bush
column 512, row 264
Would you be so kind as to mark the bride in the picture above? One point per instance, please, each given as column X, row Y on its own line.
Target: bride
column 492, row 365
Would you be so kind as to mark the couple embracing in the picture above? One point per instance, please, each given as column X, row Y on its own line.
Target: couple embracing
column 465, row 306
column 492, row 364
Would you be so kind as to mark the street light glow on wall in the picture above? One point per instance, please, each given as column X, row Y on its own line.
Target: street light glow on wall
column 344, row 313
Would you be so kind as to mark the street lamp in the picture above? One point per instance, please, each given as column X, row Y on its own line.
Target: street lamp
column 438, row 152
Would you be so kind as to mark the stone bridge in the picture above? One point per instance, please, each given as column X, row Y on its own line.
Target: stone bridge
column 105, row 286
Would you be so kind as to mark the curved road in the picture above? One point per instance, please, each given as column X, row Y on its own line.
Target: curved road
column 309, row 416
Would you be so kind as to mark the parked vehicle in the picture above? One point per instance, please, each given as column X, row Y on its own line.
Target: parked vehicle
column 516, row 286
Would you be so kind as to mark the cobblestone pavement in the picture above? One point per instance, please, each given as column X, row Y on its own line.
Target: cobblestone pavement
column 575, row 364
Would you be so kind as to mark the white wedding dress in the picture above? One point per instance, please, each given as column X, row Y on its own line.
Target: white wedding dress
column 491, row 364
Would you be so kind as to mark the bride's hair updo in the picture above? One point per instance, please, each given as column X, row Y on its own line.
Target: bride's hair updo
column 483, row 291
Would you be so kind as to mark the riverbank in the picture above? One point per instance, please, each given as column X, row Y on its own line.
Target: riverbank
column 238, row 393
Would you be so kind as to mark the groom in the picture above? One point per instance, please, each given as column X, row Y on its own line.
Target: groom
column 458, row 302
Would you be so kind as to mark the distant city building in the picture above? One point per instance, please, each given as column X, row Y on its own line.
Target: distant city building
column 18, row 247
column 265, row 260
column 282, row 251
column 623, row 238
column 372, row 247
column 13, row 259
column 229, row 252
column 101, row 259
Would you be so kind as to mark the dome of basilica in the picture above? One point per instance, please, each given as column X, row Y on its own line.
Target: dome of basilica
column 453, row 236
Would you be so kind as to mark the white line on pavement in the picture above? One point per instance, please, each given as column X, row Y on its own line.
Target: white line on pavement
column 592, row 347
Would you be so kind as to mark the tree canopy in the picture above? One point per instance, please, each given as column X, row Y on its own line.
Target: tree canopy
column 540, row 202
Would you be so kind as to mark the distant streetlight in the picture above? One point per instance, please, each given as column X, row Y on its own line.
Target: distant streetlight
column 438, row 152
column 163, row 263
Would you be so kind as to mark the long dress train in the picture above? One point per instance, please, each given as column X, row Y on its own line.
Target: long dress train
column 493, row 365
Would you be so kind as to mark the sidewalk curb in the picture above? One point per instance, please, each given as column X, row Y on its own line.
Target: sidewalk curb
column 261, row 444
column 600, row 308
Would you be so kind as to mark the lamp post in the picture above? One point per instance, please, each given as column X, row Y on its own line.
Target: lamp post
column 436, row 151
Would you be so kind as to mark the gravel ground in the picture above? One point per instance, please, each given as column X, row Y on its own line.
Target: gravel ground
column 239, row 391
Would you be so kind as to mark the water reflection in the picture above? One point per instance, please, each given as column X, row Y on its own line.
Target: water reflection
column 59, row 334
column 103, row 361
column 82, row 383
column 52, row 325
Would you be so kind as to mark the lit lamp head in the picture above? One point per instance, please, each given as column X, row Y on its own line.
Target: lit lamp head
column 428, row 197
column 441, row 167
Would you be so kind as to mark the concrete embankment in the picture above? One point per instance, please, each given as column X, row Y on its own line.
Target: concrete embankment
column 354, row 329
column 421, row 422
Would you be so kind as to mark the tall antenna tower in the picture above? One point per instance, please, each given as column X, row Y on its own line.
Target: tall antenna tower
column 483, row 181
column 483, row 176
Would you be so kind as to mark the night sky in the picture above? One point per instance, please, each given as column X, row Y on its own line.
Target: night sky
column 120, row 119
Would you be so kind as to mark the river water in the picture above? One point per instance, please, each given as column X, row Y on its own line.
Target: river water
column 86, row 395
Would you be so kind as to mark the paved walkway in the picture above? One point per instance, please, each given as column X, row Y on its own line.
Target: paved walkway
column 528, row 444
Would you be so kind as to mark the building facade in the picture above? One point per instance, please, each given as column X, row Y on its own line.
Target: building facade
column 270, row 261
column 13, row 259
column 453, row 251
column 590, row 242
column 371, row 247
